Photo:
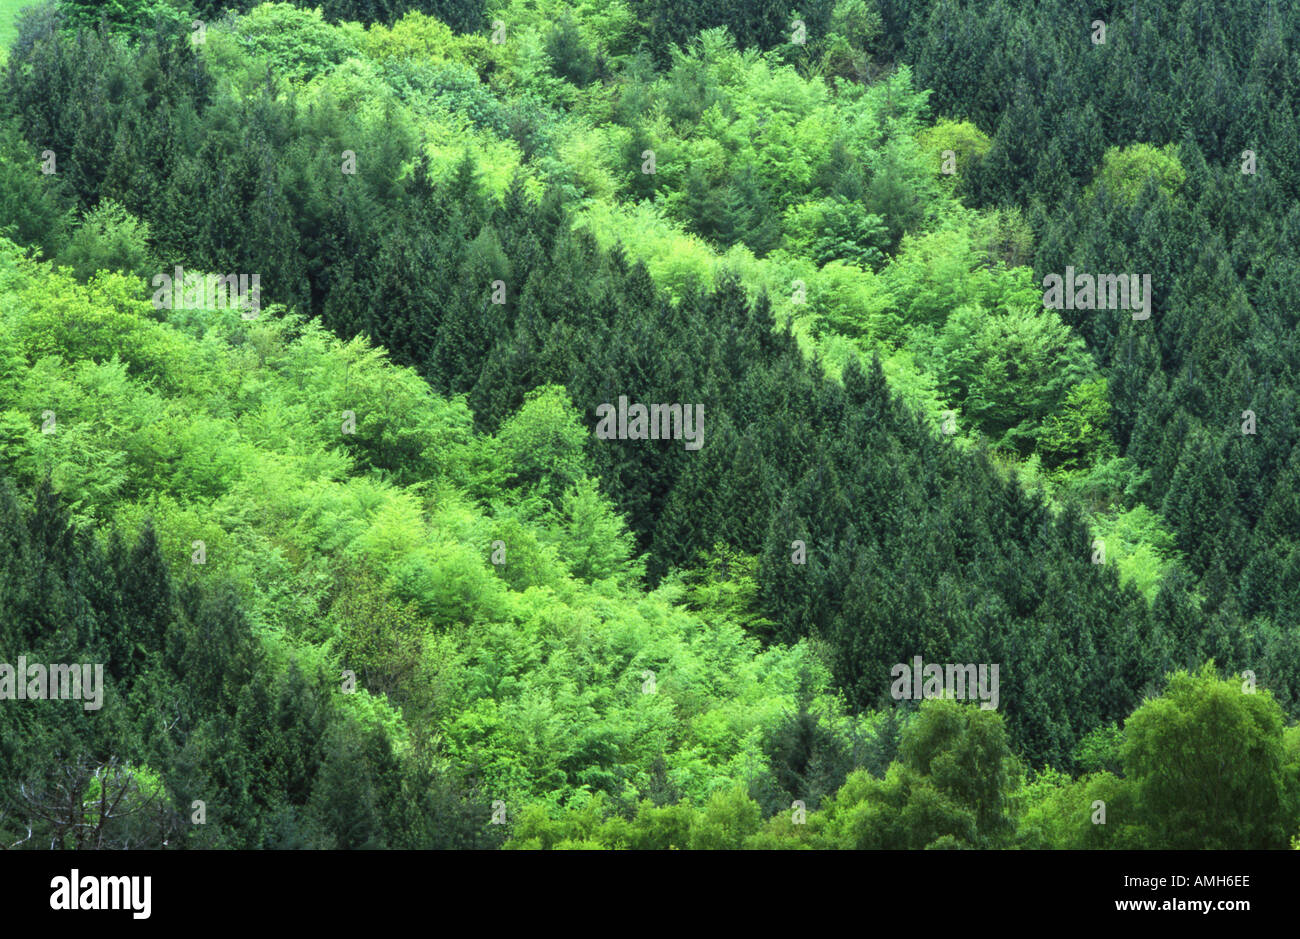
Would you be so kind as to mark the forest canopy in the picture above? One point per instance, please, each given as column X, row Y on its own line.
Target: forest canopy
column 362, row 567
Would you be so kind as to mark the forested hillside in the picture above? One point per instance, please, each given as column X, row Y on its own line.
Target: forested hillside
column 367, row 563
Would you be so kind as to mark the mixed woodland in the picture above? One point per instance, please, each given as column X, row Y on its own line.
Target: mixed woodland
column 362, row 575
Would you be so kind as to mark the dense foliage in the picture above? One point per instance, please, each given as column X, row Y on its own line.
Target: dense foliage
column 473, row 225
